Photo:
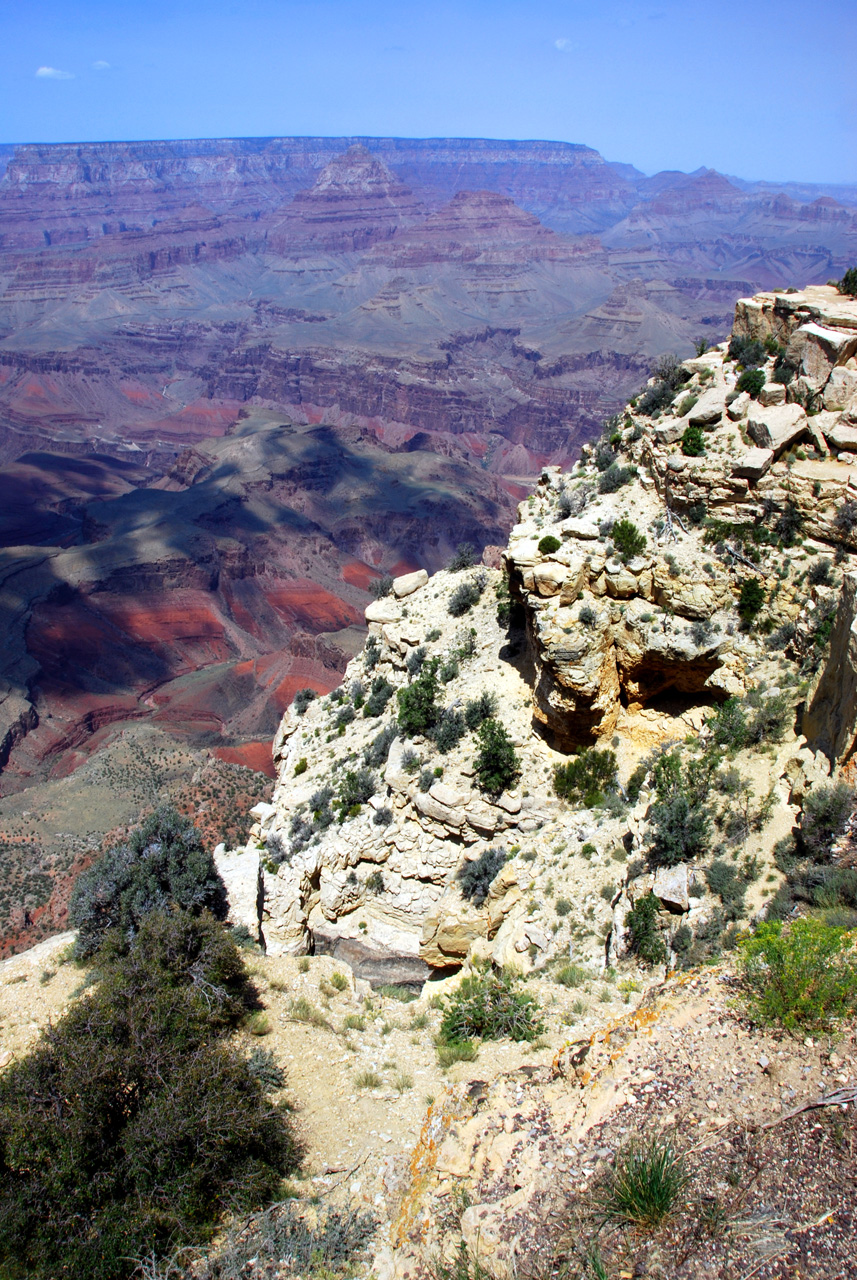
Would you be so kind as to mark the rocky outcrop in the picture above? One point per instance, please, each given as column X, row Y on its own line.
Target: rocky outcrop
column 605, row 631
column 830, row 722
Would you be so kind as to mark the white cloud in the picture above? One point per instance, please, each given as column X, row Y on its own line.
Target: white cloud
column 53, row 73
column 100, row 65
column 564, row 44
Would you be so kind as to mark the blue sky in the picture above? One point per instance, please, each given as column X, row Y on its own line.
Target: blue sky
column 761, row 89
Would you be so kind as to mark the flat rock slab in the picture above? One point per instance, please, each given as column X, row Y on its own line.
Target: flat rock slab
column 385, row 610
column 776, row 427
column 753, row 464
column 708, row 408
column 408, row 583
column 670, row 430
column 843, row 436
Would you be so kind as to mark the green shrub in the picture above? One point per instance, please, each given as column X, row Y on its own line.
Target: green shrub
column 770, row 716
column 693, row 442
column 646, row 940
column 783, row 372
column 371, row 653
column 645, row 1184
column 376, row 752
column 344, row 716
column 464, row 557
column 848, row 283
column 355, row 787
column 826, row 811
column 747, row 351
column 368, row 1080
column 450, row 1052
column 681, row 827
column 392, row 991
column 475, row 878
column 587, row 617
column 449, row 730
column 484, row 707
column 669, row 375
column 789, row 523
column 381, row 587
column 586, row 777
column 301, row 767
column 615, row 477
column 686, row 405
column 162, row 864
column 729, row 725
column 803, row 976
column 750, row 601
column 562, row 906
column 131, row 1125
column 752, row 381
column 724, row 879
column 463, row 598
column 571, row 975
column 418, row 709
column 264, row 1066
column 495, row 762
column 302, row 699
column 627, row 539
column 819, row 573
column 548, row 544
column 490, row 1008
column 415, row 660
column 325, row 1243
column 379, row 695
column 374, row 882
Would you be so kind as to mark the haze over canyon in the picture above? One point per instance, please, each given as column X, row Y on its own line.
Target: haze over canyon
column 240, row 379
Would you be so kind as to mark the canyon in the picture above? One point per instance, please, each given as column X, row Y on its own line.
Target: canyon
column 242, row 379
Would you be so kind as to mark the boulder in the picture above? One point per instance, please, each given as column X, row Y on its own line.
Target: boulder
column 737, row 409
column 549, row 577
column 841, row 390
column 843, row 436
column 583, row 527
column 432, row 808
column 385, row 610
column 408, row 583
column 669, row 431
column 447, row 795
column 241, row 874
column 670, row 887
column 263, row 813
column 708, row 409
column 818, row 349
column 777, row 427
column 772, row 393
column 448, row 935
column 753, row 464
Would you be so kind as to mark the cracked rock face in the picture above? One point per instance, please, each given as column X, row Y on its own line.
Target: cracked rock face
column 615, row 633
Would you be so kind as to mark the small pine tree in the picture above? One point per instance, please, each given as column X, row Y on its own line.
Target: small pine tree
column 496, row 764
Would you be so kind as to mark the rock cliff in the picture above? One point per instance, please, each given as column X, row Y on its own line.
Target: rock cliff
column 618, row 620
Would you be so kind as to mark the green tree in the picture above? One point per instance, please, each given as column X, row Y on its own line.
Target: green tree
column 495, row 762
column 163, row 863
column 418, row 709
column 586, row 777
column 132, row 1125
column 693, row 442
column 627, row 539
